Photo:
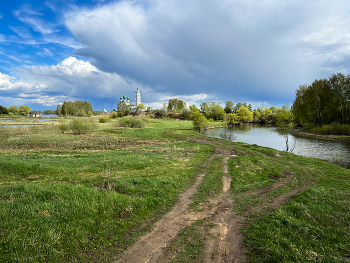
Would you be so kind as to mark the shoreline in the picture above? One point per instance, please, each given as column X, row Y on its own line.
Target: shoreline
column 319, row 136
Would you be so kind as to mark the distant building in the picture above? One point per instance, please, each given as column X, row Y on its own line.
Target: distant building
column 137, row 102
column 33, row 114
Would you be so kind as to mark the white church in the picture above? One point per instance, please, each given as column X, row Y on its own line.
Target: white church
column 127, row 101
column 137, row 100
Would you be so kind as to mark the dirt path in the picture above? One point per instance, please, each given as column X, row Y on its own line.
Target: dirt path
column 224, row 242
column 227, row 244
column 150, row 246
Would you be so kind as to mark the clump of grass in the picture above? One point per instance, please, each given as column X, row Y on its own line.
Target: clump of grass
column 102, row 120
column 63, row 126
column 114, row 115
column 82, row 125
column 331, row 129
column 132, row 122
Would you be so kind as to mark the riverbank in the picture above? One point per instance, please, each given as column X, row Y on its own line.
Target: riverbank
column 320, row 136
column 91, row 197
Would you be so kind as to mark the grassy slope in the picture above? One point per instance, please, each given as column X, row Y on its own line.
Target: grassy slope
column 89, row 201
column 313, row 227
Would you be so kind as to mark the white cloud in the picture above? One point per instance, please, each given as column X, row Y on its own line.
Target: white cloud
column 76, row 79
column 45, row 53
column 234, row 48
column 38, row 25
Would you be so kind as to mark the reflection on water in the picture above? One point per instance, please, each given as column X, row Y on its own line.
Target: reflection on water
column 18, row 125
column 269, row 136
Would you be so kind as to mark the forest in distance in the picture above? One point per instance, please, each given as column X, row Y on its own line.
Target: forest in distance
column 322, row 107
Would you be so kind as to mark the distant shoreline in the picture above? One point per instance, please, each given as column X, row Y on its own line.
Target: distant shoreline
column 319, row 136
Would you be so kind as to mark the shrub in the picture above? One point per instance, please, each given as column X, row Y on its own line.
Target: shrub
column 82, row 125
column 102, row 120
column 199, row 121
column 137, row 123
column 63, row 127
column 125, row 121
column 114, row 115
column 89, row 114
column 133, row 122
column 81, row 113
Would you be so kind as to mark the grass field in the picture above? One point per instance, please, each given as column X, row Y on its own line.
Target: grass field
column 88, row 197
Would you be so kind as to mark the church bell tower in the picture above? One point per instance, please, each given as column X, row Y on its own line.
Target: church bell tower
column 137, row 97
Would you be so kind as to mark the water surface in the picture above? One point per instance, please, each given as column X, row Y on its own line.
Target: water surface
column 18, row 125
column 269, row 136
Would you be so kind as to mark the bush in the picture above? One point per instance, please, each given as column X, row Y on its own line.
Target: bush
column 82, row 125
column 332, row 129
column 114, row 115
column 81, row 113
column 63, row 127
column 133, row 122
column 102, row 120
column 199, row 121
column 89, row 114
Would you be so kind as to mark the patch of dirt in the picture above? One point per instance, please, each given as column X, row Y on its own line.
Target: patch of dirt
column 234, row 152
column 227, row 242
column 164, row 230
column 218, row 151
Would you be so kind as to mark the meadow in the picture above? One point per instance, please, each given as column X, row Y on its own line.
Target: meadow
column 88, row 196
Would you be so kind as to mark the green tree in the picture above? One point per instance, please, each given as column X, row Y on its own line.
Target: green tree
column 140, row 107
column 264, row 114
column 229, row 106
column 176, row 104
column 14, row 110
column 273, row 109
column 284, row 122
column 58, row 111
column 24, row 110
column 237, row 107
column 215, row 111
column 193, row 108
column 203, row 106
column 3, row 110
column 232, row 119
column 244, row 115
column 186, row 113
column 199, row 121
column 123, row 109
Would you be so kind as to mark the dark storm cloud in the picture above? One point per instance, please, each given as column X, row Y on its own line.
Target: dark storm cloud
column 257, row 50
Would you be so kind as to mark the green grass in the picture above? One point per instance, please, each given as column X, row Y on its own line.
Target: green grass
column 72, row 203
column 189, row 243
column 211, row 185
column 313, row 227
column 88, row 197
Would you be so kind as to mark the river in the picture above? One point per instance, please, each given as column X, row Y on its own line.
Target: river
column 269, row 136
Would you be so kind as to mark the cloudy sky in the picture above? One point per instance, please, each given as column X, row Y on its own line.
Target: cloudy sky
column 254, row 51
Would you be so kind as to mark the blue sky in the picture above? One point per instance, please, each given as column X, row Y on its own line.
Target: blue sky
column 257, row 51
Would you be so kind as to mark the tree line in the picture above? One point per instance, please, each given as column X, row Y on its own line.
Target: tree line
column 324, row 101
column 74, row 108
column 14, row 110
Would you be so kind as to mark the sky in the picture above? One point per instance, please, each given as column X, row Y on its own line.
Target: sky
column 253, row 51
